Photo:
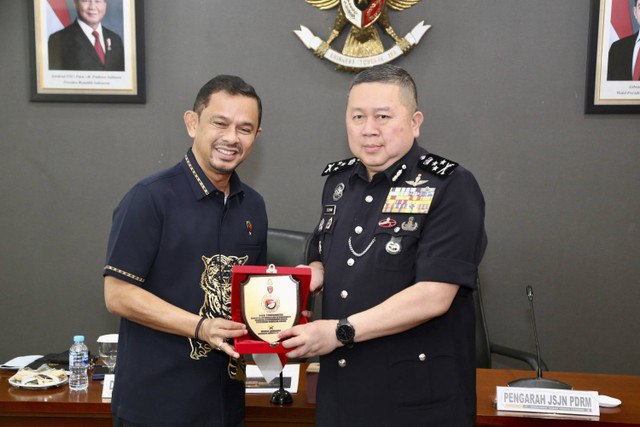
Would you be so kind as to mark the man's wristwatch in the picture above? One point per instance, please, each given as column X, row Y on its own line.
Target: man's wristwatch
column 345, row 332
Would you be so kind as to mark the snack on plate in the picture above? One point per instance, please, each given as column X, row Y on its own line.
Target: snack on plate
column 45, row 377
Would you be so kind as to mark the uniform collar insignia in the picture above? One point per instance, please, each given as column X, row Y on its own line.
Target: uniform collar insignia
column 436, row 165
column 398, row 171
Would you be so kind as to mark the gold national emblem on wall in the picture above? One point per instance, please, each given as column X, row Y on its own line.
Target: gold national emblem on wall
column 363, row 47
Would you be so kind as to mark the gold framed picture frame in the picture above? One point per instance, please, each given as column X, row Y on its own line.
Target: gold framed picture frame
column 70, row 63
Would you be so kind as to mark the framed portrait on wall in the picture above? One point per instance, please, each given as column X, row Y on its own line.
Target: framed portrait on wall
column 87, row 50
column 613, row 66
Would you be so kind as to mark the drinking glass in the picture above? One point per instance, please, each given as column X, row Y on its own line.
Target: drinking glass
column 108, row 350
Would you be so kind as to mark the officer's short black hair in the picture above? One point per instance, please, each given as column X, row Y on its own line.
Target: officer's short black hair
column 233, row 85
column 390, row 74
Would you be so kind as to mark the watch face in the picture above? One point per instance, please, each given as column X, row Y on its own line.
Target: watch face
column 345, row 333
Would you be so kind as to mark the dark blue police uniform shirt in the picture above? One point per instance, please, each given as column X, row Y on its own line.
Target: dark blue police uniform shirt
column 373, row 245
column 174, row 236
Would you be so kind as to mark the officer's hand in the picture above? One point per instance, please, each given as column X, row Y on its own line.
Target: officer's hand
column 317, row 276
column 313, row 339
column 216, row 331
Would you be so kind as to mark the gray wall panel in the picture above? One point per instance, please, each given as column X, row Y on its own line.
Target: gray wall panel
column 501, row 84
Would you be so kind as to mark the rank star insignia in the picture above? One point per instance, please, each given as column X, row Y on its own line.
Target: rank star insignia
column 437, row 165
column 338, row 166
column 363, row 47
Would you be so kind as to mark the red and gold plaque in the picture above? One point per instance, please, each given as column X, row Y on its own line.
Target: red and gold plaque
column 268, row 300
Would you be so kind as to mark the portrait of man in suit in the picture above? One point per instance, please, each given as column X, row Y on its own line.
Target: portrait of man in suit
column 86, row 44
column 623, row 54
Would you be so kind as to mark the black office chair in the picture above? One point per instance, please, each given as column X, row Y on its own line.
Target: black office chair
column 485, row 348
column 289, row 248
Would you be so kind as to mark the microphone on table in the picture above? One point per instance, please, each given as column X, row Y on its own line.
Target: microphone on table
column 537, row 382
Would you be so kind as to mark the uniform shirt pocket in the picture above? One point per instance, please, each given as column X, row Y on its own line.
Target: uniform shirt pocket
column 421, row 378
column 396, row 247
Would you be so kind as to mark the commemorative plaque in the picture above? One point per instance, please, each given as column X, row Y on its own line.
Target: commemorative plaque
column 270, row 304
column 268, row 300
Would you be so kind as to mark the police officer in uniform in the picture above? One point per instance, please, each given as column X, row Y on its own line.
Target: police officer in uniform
column 396, row 253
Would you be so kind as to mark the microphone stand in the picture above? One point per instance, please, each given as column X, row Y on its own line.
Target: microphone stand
column 537, row 382
column 281, row 396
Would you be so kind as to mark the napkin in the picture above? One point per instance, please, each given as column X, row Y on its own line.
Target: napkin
column 20, row 362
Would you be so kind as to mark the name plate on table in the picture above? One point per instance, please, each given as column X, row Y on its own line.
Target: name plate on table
column 547, row 400
column 107, row 385
column 268, row 300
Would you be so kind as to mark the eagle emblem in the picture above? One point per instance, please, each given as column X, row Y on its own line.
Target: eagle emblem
column 363, row 46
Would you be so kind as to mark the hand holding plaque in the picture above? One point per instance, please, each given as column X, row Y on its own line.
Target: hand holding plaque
column 268, row 300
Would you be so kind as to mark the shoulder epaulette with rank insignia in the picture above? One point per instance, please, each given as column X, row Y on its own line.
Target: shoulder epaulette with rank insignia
column 338, row 166
column 437, row 165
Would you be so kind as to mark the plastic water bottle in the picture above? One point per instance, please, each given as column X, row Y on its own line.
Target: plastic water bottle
column 78, row 364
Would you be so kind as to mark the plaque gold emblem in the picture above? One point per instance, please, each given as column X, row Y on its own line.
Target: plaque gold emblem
column 270, row 304
column 363, row 47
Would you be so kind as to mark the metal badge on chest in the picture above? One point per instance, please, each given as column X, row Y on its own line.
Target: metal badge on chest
column 415, row 198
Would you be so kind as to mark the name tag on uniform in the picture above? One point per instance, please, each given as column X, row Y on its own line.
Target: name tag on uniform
column 409, row 200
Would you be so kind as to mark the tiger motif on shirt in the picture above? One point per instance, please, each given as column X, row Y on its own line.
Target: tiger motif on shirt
column 216, row 284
